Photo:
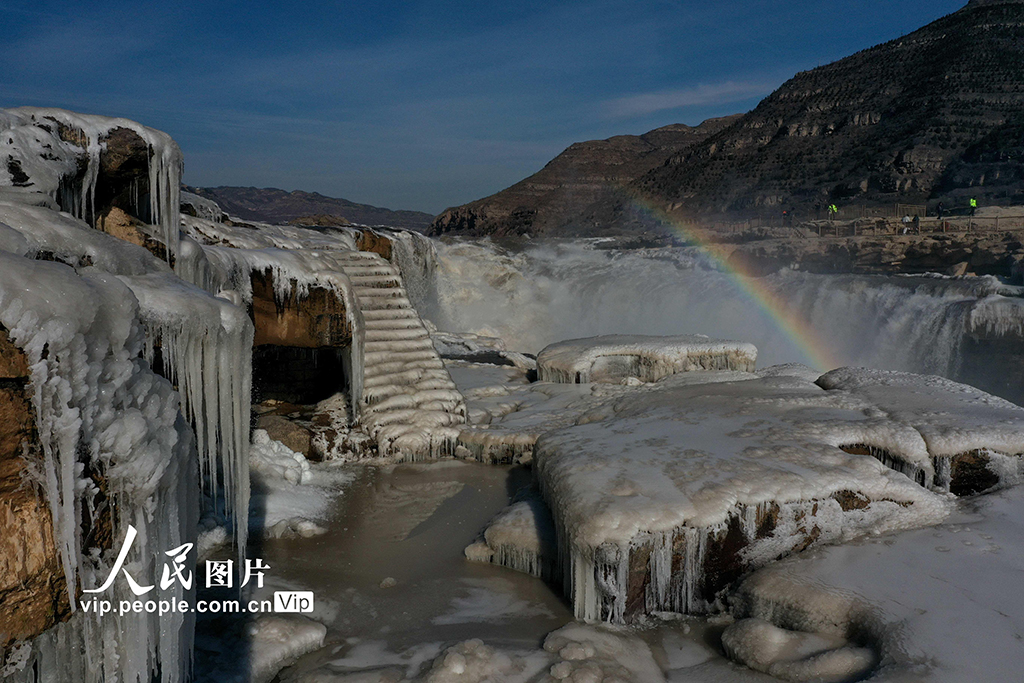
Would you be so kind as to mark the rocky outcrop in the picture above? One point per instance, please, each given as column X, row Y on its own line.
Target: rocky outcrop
column 321, row 220
column 881, row 125
column 316, row 319
column 117, row 223
column 936, row 114
column 978, row 253
column 577, row 190
column 378, row 243
column 271, row 205
column 292, row 435
column 33, row 590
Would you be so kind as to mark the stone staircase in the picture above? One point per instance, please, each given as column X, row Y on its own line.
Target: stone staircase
column 410, row 407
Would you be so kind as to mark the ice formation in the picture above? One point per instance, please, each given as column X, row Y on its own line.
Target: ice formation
column 476, row 348
column 201, row 207
column 205, row 347
column 204, row 342
column 110, row 430
column 683, row 484
column 62, row 237
column 407, row 402
column 274, row 641
column 291, row 496
column 937, row 604
column 956, row 422
column 48, row 143
column 507, row 413
column 520, row 537
column 615, row 357
column 277, row 641
column 794, row 655
column 593, row 653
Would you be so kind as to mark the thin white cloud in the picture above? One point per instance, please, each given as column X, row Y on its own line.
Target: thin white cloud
column 718, row 93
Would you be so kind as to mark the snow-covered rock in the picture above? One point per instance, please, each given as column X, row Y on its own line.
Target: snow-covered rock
column 795, row 655
column 663, row 498
column 520, row 537
column 973, row 440
column 46, row 148
column 110, row 429
column 937, row 604
column 614, row 358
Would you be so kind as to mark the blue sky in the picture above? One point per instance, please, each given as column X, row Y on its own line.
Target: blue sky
column 419, row 105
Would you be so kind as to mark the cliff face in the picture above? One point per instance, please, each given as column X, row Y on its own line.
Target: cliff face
column 33, row 591
column 271, row 205
column 885, row 124
column 575, row 192
column 939, row 112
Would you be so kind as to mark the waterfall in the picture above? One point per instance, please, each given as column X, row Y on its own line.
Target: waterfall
column 552, row 291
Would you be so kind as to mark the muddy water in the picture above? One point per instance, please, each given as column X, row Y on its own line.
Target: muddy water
column 410, row 524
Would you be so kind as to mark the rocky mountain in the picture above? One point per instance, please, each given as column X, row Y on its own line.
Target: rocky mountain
column 574, row 192
column 278, row 206
column 936, row 113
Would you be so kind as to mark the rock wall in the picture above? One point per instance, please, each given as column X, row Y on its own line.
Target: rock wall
column 978, row 253
column 312, row 321
column 33, row 591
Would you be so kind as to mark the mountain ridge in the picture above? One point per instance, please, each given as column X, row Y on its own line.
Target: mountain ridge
column 935, row 114
column 273, row 205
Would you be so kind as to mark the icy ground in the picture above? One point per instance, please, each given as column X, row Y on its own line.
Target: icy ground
column 941, row 604
column 400, row 602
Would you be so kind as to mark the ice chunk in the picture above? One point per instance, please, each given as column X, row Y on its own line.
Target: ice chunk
column 277, row 641
column 685, row 487
column 68, row 239
column 201, row 207
column 520, row 537
column 616, row 357
column 793, row 655
column 593, row 653
column 938, row 604
column 973, row 439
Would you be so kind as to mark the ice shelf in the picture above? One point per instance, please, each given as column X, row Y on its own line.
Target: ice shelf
column 614, row 358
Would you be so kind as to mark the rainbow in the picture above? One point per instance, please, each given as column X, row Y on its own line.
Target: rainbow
column 789, row 321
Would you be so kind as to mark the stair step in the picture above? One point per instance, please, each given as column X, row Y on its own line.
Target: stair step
column 389, row 314
column 380, row 292
column 388, row 368
column 370, row 269
column 375, row 357
column 393, row 324
column 406, row 377
column 396, row 334
column 377, row 303
column 398, row 345
column 374, row 281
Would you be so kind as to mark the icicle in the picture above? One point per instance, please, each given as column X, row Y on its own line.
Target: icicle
column 90, row 392
column 207, row 350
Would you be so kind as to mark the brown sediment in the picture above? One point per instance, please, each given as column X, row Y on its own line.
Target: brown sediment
column 33, row 590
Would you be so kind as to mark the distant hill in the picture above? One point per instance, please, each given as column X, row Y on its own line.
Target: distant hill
column 576, row 189
column 278, row 206
column 936, row 113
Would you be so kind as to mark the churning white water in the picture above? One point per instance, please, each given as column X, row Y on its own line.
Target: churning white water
column 570, row 289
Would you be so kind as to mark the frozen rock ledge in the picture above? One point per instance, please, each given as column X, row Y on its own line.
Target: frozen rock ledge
column 615, row 358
